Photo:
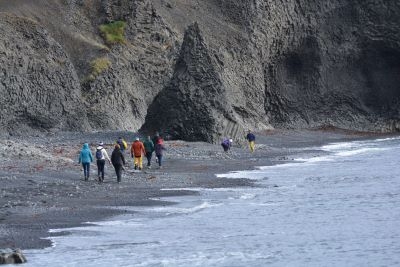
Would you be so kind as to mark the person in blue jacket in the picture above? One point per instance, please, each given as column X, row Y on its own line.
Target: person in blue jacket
column 85, row 157
column 226, row 144
column 252, row 139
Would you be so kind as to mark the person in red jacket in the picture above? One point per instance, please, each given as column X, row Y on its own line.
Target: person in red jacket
column 137, row 152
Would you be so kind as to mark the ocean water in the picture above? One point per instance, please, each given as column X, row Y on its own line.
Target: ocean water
column 341, row 209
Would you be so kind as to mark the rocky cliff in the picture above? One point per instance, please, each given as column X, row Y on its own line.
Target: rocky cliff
column 38, row 83
column 199, row 70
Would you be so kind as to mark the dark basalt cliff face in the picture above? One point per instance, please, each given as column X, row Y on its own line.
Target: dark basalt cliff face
column 199, row 70
column 195, row 104
column 38, row 83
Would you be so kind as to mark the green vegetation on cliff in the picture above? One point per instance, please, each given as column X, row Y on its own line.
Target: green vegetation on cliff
column 98, row 65
column 114, row 32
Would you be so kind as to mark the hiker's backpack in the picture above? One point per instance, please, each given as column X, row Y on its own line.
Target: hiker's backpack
column 99, row 155
column 125, row 145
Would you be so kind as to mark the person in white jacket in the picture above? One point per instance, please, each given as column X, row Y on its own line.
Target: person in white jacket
column 101, row 157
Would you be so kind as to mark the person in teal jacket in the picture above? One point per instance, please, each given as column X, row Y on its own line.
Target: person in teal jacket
column 85, row 157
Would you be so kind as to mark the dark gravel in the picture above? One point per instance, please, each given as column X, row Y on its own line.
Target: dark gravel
column 42, row 185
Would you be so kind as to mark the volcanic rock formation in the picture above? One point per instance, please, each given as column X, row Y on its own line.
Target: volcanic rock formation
column 196, row 93
column 38, row 84
column 199, row 70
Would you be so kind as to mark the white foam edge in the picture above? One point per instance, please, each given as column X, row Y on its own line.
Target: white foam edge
column 178, row 210
column 201, row 189
column 60, row 230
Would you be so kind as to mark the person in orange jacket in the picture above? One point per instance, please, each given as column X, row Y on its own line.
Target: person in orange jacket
column 137, row 152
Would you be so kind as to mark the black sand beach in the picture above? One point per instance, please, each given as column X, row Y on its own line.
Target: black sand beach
column 42, row 184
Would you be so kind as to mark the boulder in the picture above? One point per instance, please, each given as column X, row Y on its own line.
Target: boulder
column 11, row 256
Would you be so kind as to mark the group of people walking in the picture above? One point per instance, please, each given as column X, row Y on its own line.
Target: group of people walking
column 137, row 151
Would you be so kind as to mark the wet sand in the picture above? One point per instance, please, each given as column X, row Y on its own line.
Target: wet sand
column 42, row 184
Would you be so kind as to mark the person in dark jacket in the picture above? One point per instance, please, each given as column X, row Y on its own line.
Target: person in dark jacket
column 118, row 160
column 159, row 147
column 155, row 138
column 226, row 144
column 251, row 138
column 149, row 148
column 85, row 157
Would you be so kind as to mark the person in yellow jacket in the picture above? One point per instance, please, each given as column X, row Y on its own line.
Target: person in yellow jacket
column 137, row 152
column 123, row 145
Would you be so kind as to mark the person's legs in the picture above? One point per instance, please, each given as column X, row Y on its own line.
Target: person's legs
column 86, row 169
column 118, row 169
column 102, row 170
column 225, row 147
column 119, row 173
column 159, row 157
column 101, row 164
column 148, row 156
column 140, row 162
column 98, row 169
column 136, row 162
column 252, row 146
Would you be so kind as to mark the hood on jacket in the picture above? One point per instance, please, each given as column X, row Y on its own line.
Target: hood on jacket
column 99, row 147
column 85, row 146
column 160, row 141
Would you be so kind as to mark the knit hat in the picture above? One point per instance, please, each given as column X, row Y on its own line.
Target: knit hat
column 101, row 144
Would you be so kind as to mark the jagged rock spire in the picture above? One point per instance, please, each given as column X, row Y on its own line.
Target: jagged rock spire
column 193, row 106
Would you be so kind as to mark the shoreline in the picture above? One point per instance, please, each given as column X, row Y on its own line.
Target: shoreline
column 44, row 187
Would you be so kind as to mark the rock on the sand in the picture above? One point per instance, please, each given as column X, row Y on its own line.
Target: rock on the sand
column 11, row 256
